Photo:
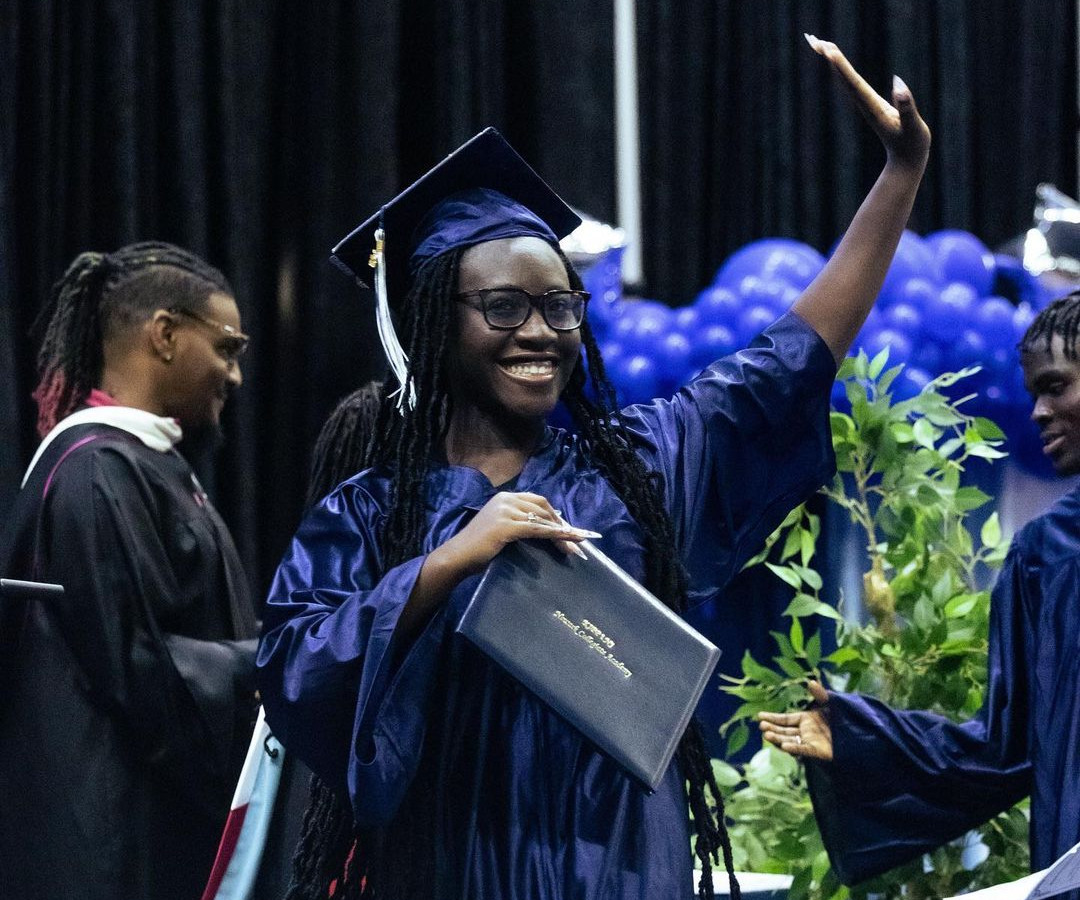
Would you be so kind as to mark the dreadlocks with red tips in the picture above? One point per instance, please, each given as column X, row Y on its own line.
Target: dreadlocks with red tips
column 99, row 296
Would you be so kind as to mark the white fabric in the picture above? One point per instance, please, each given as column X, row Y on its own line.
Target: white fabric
column 158, row 433
column 257, row 790
column 395, row 353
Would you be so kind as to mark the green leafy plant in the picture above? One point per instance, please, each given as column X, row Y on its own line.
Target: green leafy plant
column 921, row 640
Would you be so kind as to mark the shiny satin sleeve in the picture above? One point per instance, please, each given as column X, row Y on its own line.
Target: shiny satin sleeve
column 329, row 686
column 903, row 782
column 740, row 446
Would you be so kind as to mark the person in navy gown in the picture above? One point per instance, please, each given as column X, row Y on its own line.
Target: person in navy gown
column 445, row 778
column 890, row 784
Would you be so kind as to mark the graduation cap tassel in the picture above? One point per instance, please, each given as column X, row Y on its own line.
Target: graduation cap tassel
column 395, row 353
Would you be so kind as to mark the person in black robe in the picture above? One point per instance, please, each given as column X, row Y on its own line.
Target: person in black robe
column 126, row 704
column 888, row 785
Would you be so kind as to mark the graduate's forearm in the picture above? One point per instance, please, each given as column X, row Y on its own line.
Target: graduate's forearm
column 439, row 575
column 838, row 301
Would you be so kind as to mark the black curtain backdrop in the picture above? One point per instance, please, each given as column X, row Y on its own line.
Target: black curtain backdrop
column 259, row 133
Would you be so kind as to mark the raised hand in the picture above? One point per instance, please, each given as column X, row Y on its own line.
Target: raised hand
column 837, row 302
column 805, row 734
column 901, row 129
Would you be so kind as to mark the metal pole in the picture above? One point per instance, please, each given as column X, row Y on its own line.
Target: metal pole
column 627, row 158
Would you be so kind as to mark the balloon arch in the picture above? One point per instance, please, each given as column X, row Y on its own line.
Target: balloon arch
column 947, row 303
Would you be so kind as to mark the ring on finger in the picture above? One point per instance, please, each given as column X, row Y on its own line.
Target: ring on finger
column 532, row 518
column 798, row 739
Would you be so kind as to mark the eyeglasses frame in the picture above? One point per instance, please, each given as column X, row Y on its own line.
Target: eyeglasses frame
column 228, row 330
column 536, row 302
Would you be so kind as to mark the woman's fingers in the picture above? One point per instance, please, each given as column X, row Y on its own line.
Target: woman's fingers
column 537, row 514
column 781, row 720
column 898, row 124
column 877, row 109
column 882, row 115
column 818, row 692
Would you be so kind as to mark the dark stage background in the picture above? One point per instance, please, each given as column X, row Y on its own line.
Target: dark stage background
column 259, row 133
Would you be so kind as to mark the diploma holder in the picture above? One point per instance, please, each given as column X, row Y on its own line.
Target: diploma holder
column 596, row 647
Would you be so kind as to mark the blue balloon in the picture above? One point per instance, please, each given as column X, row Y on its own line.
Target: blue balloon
column 993, row 403
column 963, row 257
column 1021, row 321
column 603, row 314
column 909, row 383
column 839, row 398
column 673, row 358
column 1025, row 446
column 1012, row 381
column 610, row 351
column 604, row 274
column 645, row 331
column 1001, row 361
column 913, row 259
column 687, row 320
column 753, row 321
column 917, row 292
column 640, row 308
column 636, row 378
column 719, row 305
column 899, row 344
column 872, row 325
column 929, row 357
column 947, row 316
column 772, row 292
column 993, row 320
column 775, row 258
column 714, row 342
column 903, row 317
column 969, row 349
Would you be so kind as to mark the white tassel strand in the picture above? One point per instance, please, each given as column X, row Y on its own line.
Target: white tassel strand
column 395, row 353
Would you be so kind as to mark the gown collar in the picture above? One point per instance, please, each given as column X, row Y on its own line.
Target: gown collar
column 156, row 432
column 450, row 485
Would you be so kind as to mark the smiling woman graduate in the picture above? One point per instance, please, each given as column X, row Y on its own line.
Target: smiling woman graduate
column 458, row 783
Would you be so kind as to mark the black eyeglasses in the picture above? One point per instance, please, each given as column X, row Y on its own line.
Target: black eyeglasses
column 509, row 308
column 235, row 343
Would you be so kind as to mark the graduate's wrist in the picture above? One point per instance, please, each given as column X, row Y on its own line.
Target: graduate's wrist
column 912, row 168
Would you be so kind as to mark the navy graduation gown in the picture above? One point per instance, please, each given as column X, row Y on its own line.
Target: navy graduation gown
column 438, row 751
column 126, row 706
column 903, row 782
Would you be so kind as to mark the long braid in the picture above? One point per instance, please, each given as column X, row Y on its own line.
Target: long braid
column 99, row 294
column 344, row 440
column 417, row 437
column 600, row 423
column 70, row 358
column 327, row 851
column 1062, row 317
column 412, row 441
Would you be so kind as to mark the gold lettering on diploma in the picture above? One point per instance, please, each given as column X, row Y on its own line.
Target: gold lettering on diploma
column 595, row 639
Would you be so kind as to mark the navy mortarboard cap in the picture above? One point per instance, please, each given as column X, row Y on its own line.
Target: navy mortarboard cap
column 483, row 191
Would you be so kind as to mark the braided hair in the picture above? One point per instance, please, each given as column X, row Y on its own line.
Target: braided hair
column 343, row 443
column 326, row 858
column 1062, row 317
column 99, row 297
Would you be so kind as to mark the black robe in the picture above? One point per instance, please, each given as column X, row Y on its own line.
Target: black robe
column 125, row 707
